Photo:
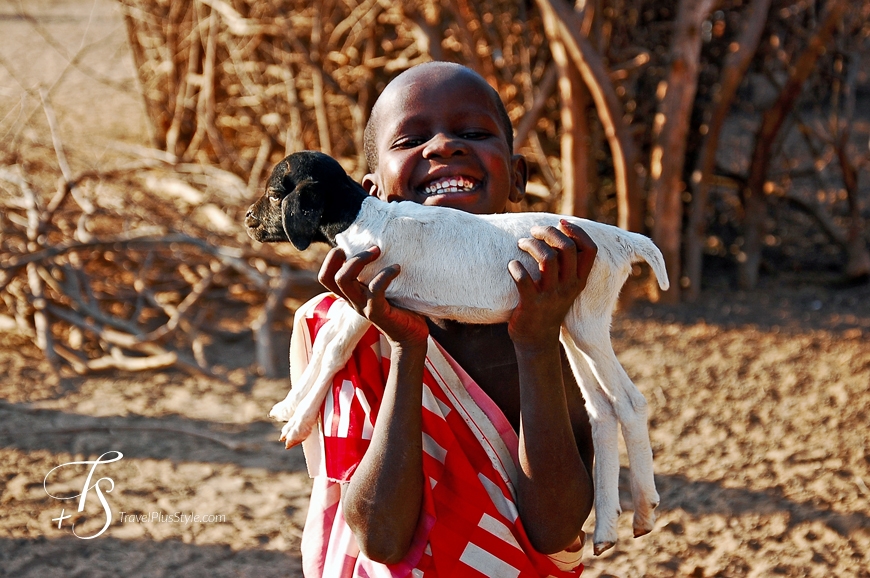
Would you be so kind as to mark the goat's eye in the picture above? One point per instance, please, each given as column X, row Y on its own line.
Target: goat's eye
column 274, row 195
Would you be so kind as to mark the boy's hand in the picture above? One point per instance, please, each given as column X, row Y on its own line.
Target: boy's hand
column 341, row 276
column 565, row 256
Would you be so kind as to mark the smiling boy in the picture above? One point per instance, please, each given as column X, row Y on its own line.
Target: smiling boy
column 403, row 484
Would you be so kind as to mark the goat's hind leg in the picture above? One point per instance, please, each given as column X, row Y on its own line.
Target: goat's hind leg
column 631, row 411
column 605, row 475
column 634, row 418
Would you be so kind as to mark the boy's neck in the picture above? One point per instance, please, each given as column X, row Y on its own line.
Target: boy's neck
column 474, row 346
column 487, row 355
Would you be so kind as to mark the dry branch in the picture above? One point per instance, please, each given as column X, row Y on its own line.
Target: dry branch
column 564, row 24
column 134, row 301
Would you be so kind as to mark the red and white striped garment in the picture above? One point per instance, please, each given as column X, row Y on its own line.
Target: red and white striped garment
column 469, row 525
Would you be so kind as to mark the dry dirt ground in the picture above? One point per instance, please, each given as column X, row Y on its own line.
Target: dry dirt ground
column 760, row 404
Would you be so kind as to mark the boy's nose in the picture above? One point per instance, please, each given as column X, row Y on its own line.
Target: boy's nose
column 444, row 145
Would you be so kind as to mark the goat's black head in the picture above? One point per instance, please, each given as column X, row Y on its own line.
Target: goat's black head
column 309, row 198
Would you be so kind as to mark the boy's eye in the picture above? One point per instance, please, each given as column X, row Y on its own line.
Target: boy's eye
column 408, row 142
column 475, row 135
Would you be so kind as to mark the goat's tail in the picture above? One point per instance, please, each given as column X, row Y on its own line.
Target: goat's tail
column 646, row 250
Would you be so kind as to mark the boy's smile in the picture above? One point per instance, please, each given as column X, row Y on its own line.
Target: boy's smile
column 441, row 141
column 450, row 185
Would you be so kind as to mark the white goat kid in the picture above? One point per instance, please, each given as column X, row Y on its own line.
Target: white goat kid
column 310, row 198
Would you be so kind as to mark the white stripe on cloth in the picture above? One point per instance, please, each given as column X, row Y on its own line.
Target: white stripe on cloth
column 486, row 563
column 434, row 404
column 328, row 414
column 505, row 507
column 368, row 428
column 499, row 530
column 345, row 397
column 431, row 447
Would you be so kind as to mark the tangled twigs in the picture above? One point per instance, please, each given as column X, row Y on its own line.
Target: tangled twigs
column 98, row 282
column 220, row 78
column 228, row 256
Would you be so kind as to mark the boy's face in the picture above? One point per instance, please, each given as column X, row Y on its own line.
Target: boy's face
column 441, row 141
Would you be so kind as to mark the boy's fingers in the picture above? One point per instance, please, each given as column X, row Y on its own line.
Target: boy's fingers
column 521, row 277
column 587, row 250
column 382, row 280
column 355, row 264
column 580, row 237
column 564, row 264
column 565, row 247
column 546, row 256
column 333, row 262
column 347, row 277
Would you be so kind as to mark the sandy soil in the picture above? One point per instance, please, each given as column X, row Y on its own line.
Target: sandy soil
column 760, row 404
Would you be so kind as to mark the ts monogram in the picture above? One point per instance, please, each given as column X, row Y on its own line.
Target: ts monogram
column 87, row 487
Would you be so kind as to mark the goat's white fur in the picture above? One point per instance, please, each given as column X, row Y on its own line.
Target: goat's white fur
column 454, row 266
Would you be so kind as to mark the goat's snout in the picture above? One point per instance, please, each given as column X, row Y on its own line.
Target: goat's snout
column 251, row 221
column 264, row 223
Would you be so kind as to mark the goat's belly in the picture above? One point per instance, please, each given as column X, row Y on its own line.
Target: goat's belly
column 462, row 292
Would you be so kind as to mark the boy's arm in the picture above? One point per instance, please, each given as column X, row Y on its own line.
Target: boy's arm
column 554, row 487
column 383, row 498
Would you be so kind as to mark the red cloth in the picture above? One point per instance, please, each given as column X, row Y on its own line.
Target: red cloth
column 469, row 525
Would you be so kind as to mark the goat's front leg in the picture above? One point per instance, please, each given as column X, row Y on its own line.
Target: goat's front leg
column 331, row 350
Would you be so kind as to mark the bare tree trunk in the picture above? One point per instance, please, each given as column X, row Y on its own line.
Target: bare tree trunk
column 734, row 69
column 755, row 207
column 575, row 145
column 563, row 25
column 670, row 131
column 575, row 135
column 857, row 255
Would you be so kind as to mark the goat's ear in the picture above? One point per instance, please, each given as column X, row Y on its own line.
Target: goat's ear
column 302, row 209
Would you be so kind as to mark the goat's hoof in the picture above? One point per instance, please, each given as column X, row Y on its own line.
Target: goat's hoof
column 642, row 527
column 600, row 548
column 644, row 520
column 280, row 412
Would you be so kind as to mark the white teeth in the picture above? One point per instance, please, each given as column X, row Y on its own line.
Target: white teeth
column 449, row 185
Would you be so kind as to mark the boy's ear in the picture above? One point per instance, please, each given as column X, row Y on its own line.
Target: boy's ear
column 301, row 211
column 370, row 184
column 520, row 178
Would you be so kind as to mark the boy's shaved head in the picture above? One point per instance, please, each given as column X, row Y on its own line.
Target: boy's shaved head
column 428, row 72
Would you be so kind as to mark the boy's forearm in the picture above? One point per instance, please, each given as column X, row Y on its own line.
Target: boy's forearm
column 383, row 499
column 554, row 488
